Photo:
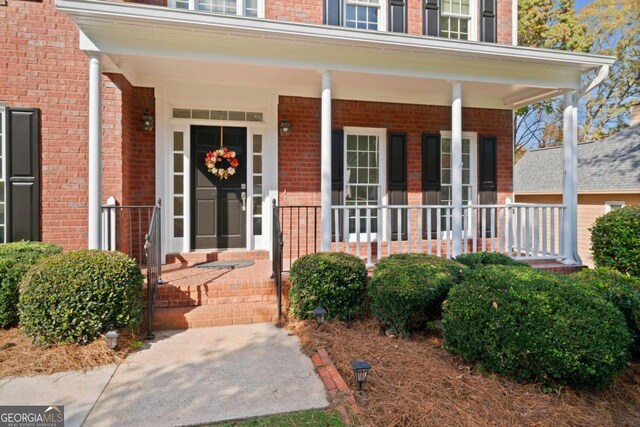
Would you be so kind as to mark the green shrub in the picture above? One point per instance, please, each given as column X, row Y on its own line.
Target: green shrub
column 404, row 296
column 480, row 259
column 333, row 280
column 455, row 268
column 75, row 296
column 615, row 240
column 535, row 326
column 15, row 261
column 620, row 289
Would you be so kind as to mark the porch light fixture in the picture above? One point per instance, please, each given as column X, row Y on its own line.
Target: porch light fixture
column 147, row 121
column 112, row 339
column 360, row 370
column 285, row 127
column 321, row 315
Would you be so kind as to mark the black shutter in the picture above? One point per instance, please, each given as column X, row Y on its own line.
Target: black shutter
column 488, row 21
column 488, row 170
column 431, row 183
column 333, row 12
column 337, row 174
column 23, row 180
column 431, row 19
column 398, row 16
column 397, row 185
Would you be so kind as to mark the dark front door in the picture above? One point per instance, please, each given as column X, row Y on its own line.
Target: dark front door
column 217, row 205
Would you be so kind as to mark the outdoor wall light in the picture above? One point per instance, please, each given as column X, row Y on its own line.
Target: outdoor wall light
column 360, row 370
column 285, row 127
column 112, row 339
column 147, row 121
column 321, row 315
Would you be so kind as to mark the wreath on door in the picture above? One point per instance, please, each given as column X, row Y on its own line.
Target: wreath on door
column 222, row 162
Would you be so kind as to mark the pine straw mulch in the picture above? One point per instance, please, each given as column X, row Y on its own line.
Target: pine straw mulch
column 417, row 383
column 18, row 357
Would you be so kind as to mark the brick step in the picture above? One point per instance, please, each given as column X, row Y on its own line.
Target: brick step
column 555, row 266
column 216, row 293
column 214, row 315
column 191, row 258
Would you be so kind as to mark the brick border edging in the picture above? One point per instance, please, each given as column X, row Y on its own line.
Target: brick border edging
column 335, row 384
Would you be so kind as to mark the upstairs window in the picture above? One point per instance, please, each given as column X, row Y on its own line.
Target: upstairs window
column 250, row 8
column 362, row 14
column 455, row 19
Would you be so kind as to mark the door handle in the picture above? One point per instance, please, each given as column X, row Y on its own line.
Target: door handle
column 243, row 196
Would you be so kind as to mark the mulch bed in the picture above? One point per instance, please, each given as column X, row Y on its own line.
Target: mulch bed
column 417, row 383
column 18, row 357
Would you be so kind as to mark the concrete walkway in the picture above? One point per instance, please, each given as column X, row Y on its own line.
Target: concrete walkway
column 196, row 376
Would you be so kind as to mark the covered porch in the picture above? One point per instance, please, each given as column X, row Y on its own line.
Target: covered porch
column 452, row 100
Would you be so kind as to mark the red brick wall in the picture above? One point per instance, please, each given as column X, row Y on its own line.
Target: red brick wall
column 299, row 152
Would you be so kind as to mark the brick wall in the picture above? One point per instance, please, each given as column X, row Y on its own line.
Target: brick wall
column 299, row 152
column 311, row 12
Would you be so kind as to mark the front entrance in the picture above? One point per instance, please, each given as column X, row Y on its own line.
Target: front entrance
column 218, row 206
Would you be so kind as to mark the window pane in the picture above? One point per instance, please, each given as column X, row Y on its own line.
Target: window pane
column 351, row 14
column 178, row 141
column 218, row 115
column 257, row 180
column 257, row 164
column 254, row 117
column 257, row 205
column 237, row 115
column 178, row 165
column 352, row 143
column 178, row 206
column 178, row 182
column 178, row 227
column 257, row 143
column 181, row 113
column 446, row 145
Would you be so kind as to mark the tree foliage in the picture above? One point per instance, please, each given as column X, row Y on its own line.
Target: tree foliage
column 605, row 27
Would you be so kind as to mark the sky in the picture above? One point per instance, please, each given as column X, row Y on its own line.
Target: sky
column 582, row 3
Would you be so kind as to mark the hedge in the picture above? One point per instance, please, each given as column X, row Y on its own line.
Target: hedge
column 333, row 280
column 536, row 327
column 15, row 260
column 615, row 240
column 75, row 296
column 480, row 259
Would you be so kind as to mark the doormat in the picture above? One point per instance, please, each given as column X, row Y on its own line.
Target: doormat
column 225, row 265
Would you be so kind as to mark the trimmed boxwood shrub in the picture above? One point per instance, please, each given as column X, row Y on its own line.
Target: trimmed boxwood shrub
column 535, row 326
column 480, row 259
column 454, row 267
column 333, row 280
column 615, row 240
column 622, row 290
column 75, row 296
column 15, row 260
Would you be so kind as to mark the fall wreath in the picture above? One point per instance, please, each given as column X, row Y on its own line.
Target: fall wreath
column 222, row 162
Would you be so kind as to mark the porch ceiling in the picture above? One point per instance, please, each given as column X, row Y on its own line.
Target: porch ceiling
column 149, row 43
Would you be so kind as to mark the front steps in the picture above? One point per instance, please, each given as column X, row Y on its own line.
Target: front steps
column 192, row 297
column 196, row 257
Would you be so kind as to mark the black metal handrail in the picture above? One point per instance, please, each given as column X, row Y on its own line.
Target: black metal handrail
column 124, row 228
column 153, row 254
column 278, row 244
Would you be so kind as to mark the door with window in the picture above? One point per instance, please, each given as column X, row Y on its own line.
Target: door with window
column 363, row 180
column 218, row 206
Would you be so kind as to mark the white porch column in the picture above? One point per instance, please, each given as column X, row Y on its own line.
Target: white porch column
column 95, row 149
column 456, row 167
column 570, row 184
column 325, row 169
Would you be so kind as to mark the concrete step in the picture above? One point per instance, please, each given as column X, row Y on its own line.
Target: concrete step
column 191, row 258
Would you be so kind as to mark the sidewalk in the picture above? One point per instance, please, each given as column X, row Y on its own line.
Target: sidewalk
column 195, row 376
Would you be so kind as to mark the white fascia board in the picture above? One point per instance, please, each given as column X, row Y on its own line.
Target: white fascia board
column 146, row 14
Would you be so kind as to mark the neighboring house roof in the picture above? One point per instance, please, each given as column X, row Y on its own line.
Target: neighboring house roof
column 611, row 164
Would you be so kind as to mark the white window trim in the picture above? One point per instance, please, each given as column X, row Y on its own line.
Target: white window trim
column 609, row 204
column 240, row 3
column 381, row 133
column 382, row 13
column 473, row 20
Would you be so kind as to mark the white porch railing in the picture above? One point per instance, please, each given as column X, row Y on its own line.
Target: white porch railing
column 521, row 231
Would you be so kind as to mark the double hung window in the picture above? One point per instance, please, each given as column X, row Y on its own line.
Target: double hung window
column 250, row 8
column 362, row 14
column 455, row 19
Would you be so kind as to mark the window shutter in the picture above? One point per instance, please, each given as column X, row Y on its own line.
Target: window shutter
column 397, row 185
column 431, row 182
column 333, row 12
column 397, row 16
column 337, row 174
column 431, row 18
column 488, row 21
column 488, row 170
column 23, row 180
